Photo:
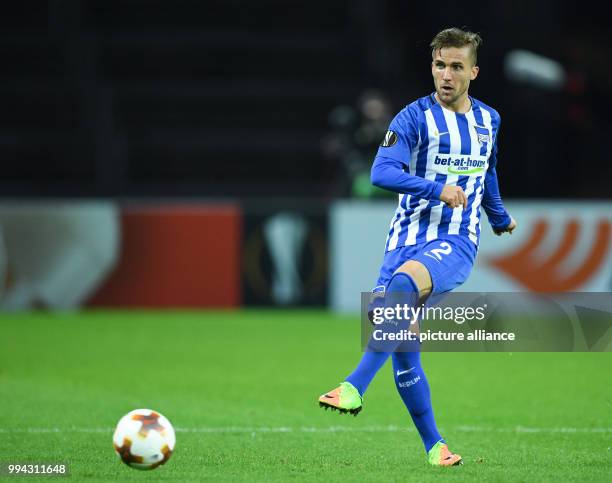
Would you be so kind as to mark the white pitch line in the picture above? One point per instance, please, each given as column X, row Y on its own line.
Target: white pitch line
column 525, row 429
column 328, row 429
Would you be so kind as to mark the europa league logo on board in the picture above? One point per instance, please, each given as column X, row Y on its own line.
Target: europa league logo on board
column 285, row 259
column 285, row 234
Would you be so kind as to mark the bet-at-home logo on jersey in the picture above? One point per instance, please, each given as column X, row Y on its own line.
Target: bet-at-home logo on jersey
column 463, row 165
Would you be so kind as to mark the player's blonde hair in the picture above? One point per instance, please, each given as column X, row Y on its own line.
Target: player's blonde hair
column 455, row 37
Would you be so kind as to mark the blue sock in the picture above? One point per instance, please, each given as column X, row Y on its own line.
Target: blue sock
column 405, row 288
column 412, row 386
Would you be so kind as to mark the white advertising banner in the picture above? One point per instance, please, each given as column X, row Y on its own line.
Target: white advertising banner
column 55, row 254
column 557, row 247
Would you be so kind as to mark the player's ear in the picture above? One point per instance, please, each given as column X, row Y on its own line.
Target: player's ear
column 474, row 72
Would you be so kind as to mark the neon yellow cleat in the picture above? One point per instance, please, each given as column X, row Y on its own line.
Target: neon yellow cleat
column 440, row 455
column 345, row 398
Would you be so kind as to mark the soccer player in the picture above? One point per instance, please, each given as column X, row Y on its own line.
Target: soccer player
column 439, row 155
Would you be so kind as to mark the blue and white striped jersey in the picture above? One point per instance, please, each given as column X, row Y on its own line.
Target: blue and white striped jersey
column 433, row 146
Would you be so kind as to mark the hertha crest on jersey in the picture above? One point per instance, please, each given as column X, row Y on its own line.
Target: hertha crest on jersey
column 483, row 134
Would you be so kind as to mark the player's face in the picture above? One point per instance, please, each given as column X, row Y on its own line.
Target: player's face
column 452, row 69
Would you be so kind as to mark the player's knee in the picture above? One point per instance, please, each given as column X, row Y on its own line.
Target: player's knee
column 403, row 282
column 402, row 291
column 419, row 274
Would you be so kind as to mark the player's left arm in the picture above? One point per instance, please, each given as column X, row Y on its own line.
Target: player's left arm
column 499, row 218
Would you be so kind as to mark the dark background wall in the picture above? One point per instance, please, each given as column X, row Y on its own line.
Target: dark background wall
column 127, row 98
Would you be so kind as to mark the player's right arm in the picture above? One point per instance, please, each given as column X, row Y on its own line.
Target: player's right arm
column 390, row 172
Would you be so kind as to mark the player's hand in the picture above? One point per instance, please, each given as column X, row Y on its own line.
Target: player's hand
column 453, row 196
column 509, row 229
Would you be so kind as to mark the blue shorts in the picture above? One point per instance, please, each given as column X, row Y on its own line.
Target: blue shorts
column 449, row 261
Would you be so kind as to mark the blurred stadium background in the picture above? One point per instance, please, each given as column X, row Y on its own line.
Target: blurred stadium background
column 214, row 155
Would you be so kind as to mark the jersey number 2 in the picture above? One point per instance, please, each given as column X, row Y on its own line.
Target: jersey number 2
column 437, row 253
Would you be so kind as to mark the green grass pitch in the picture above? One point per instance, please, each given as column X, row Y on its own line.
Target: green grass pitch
column 240, row 387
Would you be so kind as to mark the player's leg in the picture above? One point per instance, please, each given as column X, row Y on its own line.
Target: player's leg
column 409, row 283
column 447, row 268
column 409, row 376
column 410, row 379
column 413, row 388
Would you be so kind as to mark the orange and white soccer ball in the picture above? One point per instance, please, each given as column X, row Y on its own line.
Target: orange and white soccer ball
column 144, row 439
